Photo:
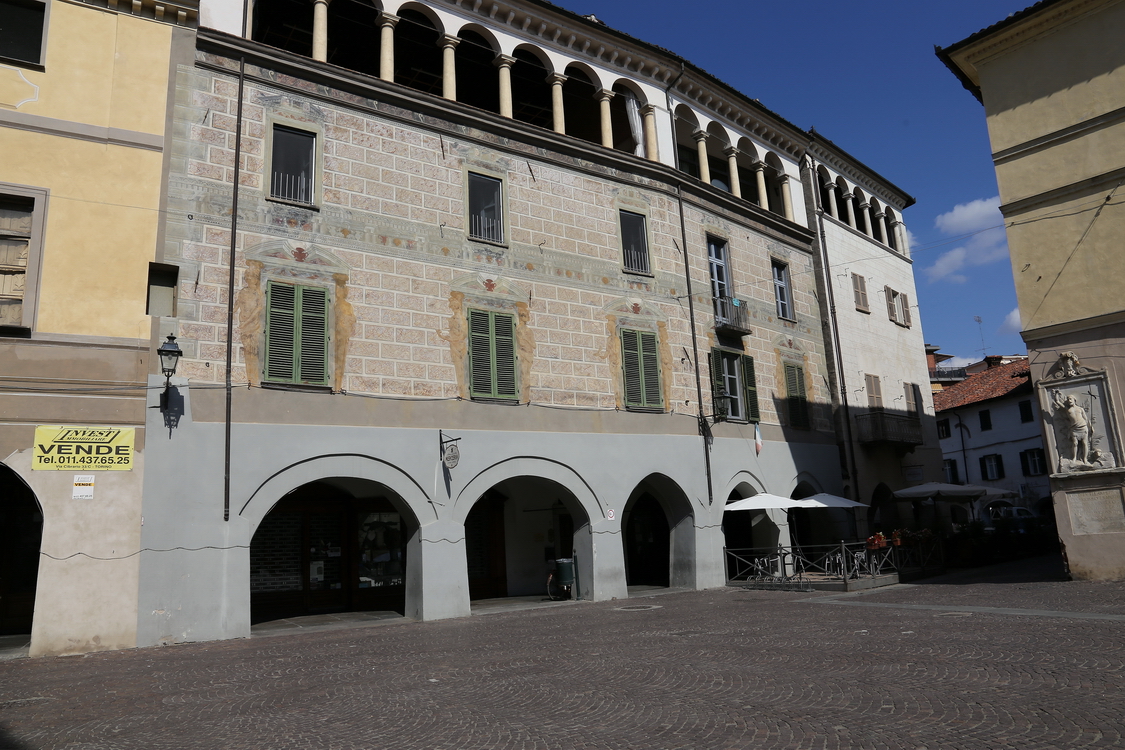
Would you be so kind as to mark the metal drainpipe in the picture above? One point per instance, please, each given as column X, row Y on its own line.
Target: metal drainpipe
column 834, row 331
column 962, row 428
column 687, row 281
column 230, row 288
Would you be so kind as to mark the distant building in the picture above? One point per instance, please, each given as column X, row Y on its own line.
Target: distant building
column 942, row 377
column 1052, row 81
column 990, row 436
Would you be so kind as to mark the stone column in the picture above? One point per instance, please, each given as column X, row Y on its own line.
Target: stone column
column 557, row 80
column 830, row 191
column 648, row 112
column 881, row 228
column 901, row 242
column 387, row 47
column 786, row 198
column 504, row 64
column 448, row 44
column 701, row 149
column 868, row 229
column 603, row 96
column 320, row 30
column 763, row 196
column 849, row 209
column 732, row 166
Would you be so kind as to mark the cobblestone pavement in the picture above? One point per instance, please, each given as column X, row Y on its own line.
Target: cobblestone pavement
column 1010, row 659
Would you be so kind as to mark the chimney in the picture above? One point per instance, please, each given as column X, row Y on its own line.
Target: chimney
column 993, row 360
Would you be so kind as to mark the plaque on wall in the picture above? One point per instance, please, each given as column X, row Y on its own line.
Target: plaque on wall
column 1096, row 512
column 1081, row 429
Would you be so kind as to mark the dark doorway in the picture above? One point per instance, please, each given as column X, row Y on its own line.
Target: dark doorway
column 484, row 548
column 647, row 543
column 21, row 531
column 323, row 549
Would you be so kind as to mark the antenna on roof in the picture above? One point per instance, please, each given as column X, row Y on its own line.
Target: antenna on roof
column 980, row 327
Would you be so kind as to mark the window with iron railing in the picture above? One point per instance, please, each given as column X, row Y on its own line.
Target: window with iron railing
column 291, row 171
column 486, row 212
column 634, row 242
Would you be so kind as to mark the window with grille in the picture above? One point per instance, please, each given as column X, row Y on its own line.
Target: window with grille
column 720, row 273
column 640, row 363
column 22, row 30
column 292, row 164
column 992, row 466
column 859, row 290
column 874, row 392
column 796, row 398
column 492, row 355
column 782, row 291
column 898, row 307
column 732, row 375
column 486, row 208
column 1033, row 462
column 634, row 242
column 296, row 334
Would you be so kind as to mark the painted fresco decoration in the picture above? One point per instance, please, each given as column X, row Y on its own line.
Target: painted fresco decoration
column 1076, row 404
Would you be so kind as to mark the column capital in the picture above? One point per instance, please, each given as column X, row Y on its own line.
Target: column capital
column 388, row 19
column 847, row 196
column 604, row 95
column 880, row 215
column 504, row 61
column 700, row 136
column 648, row 109
column 758, row 166
column 782, row 177
column 828, row 185
column 556, row 79
column 448, row 41
column 730, row 151
column 864, row 206
column 896, row 223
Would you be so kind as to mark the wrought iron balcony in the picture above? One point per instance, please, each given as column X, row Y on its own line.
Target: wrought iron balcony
column 948, row 373
column 881, row 427
column 731, row 314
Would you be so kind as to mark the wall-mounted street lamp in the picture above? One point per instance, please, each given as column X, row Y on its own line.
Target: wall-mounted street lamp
column 721, row 403
column 169, row 353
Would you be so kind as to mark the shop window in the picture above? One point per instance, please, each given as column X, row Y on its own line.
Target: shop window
column 296, row 334
column 486, row 213
column 492, row 355
column 634, row 242
column 291, row 172
column 641, row 369
column 732, row 374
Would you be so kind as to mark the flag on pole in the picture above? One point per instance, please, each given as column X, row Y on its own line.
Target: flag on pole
column 757, row 440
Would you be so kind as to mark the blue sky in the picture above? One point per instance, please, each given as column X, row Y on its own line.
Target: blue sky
column 865, row 76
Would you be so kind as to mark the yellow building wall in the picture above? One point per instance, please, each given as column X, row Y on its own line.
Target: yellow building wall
column 109, row 71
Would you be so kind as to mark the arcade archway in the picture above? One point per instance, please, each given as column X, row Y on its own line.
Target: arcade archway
column 21, row 532
column 658, row 542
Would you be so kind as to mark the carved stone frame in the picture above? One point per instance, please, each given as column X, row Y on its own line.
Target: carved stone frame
column 1106, row 431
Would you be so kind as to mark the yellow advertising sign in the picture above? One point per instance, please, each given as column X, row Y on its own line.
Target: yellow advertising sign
column 89, row 448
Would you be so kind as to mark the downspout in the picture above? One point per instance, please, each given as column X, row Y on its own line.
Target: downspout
column 961, row 428
column 687, row 281
column 834, row 332
column 230, row 288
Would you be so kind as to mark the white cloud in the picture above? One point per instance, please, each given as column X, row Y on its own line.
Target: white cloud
column 986, row 243
column 960, row 362
column 1011, row 323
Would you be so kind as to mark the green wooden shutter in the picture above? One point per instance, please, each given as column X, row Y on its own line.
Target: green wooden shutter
column 715, row 359
column 281, row 332
column 750, row 389
column 798, row 404
column 631, row 368
column 492, row 355
column 312, row 335
column 650, row 370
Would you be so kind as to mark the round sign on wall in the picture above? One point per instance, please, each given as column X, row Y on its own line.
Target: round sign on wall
column 452, row 456
column 609, row 514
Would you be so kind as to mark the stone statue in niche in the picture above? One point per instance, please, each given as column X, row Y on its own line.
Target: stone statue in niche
column 1076, row 436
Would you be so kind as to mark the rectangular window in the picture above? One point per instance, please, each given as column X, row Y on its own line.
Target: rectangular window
column 296, row 334
column 985, row 420
column 162, row 290
column 634, row 242
column 486, row 208
column 720, row 274
column 641, row 365
column 949, row 470
column 492, row 355
column 943, row 428
column 732, row 374
column 898, row 307
column 1026, row 414
column 874, row 392
column 781, row 290
column 292, row 164
column 796, row 397
column 859, row 289
column 22, row 30
column 913, row 397
column 1033, row 462
column 992, row 466
column 16, row 219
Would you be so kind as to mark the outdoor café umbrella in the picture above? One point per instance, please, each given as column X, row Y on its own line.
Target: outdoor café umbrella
column 941, row 491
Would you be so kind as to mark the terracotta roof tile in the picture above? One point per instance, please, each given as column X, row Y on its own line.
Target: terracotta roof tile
column 994, row 382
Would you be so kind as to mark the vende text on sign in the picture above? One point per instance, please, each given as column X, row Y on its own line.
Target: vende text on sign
column 90, row 448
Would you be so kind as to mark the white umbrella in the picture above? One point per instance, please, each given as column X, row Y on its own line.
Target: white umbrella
column 824, row 500
column 943, row 491
column 764, row 501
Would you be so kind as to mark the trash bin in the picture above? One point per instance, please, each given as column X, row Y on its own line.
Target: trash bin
column 565, row 568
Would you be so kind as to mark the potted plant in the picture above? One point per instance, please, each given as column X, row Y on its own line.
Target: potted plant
column 876, row 541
